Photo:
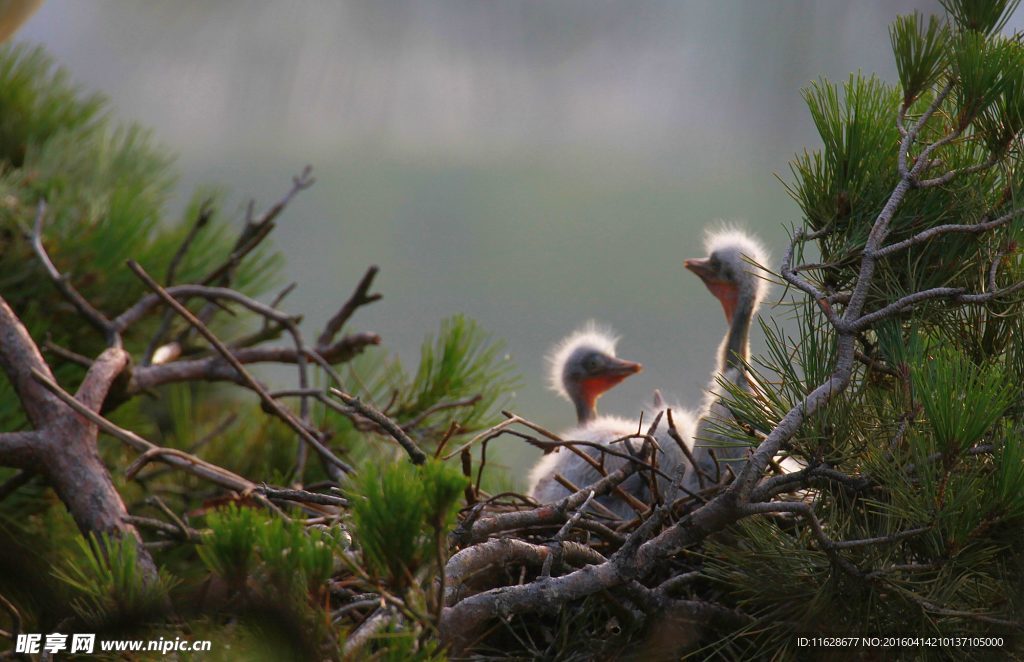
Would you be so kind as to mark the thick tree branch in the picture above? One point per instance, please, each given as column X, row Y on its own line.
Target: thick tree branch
column 98, row 380
column 62, row 447
column 179, row 459
column 19, row 449
column 19, row 356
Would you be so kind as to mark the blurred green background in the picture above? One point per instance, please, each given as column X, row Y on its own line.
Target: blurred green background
column 532, row 164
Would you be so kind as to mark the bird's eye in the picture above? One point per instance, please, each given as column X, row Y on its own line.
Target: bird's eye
column 591, row 363
column 715, row 262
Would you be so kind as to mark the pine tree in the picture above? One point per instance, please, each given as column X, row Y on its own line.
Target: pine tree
column 240, row 533
column 336, row 523
column 892, row 385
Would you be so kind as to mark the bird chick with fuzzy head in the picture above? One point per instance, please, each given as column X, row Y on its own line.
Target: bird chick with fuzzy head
column 583, row 367
column 734, row 273
column 580, row 369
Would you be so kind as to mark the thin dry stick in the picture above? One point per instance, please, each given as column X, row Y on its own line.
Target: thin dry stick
column 301, row 496
column 256, row 230
column 15, row 617
column 548, row 513
column 360, row 297
column 86, row 309
column 181, row 532
column 397, row 433
column 205, row 213
column 685, row 449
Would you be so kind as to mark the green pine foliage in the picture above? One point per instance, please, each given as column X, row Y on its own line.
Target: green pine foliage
column 460, row 362
column 255, row 551
column 107, row 187
column 110, row 588
column 930, row 428
column 398, row 514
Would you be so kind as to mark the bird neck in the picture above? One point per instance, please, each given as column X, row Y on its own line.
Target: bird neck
column 585, row 402
column 736, row 348
column 585, row 412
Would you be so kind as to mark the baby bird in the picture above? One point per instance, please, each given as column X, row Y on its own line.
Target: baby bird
column 730, row 275
column 581, row 368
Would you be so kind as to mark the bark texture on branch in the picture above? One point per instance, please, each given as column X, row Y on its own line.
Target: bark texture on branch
column 63, row 447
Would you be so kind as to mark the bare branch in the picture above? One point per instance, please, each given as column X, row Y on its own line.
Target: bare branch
column 504, row 551
column 202, row 220
column 546, row 514
column 251, row 382
column 19, row 449
column 256, row 230
column 67, row 354
column 930, row 233
column 150, row 301
column 796, row 280
column 685, row 449
column 86, row 309
column 176, row 531
column 804, row 478
column 397, row 433
column 101, row 375
column 301, row 496
column 367, row 630
column 555, row 559
column 929, row 606
column 910, row 136
column 215, row 368
column 360, row 297
column 807, row 512
column 953, row 174
column 953, row 294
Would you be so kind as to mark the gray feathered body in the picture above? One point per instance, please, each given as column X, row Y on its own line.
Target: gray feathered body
column 605, row 430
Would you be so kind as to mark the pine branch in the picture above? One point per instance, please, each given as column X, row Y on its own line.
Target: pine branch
column 361, row 297
column 274, row 406
column 257, row 229
column 96, row 318
column 931, row 233
column 397, row 433
column 149, row 450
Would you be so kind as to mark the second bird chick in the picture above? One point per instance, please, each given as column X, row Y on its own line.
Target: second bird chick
column 581, row 368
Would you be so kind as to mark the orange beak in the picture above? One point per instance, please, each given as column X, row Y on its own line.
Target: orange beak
column 616, row 371
column 725, row 291
column 622, row 368
column 700, row 266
